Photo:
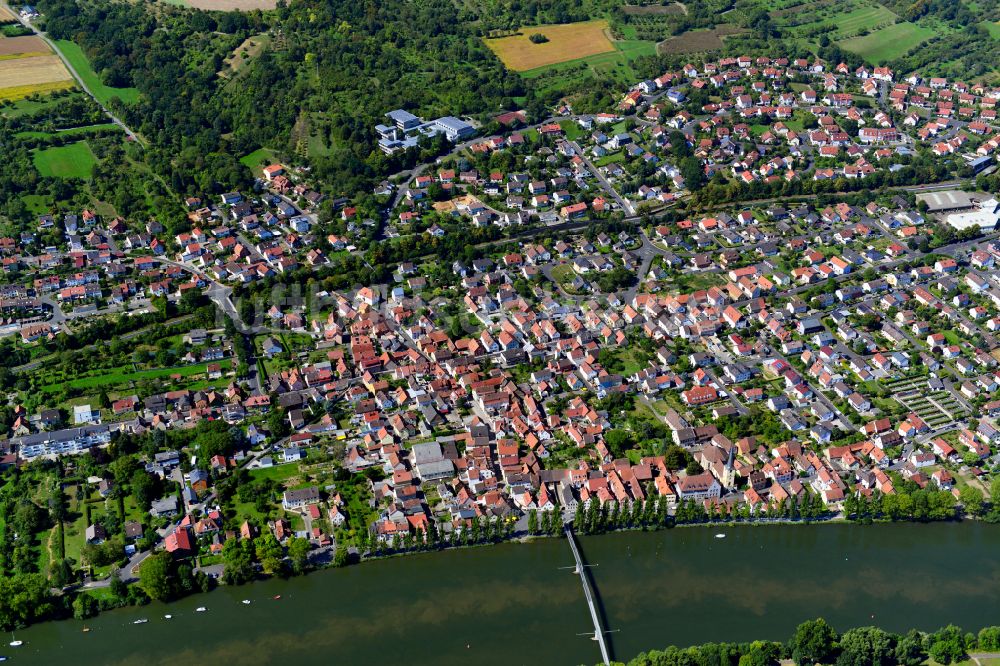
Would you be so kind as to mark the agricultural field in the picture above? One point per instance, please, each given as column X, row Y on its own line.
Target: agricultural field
column 697, row 41
column 616, row 65
column 778, row 10
column 74, row 160
column 28, row 66
column 937, row 408
column 863, row 18
column 21, row 76
column 226, row 5
column 676, row 9
column 76, row 57
column 838, row 20
column 23, row 47
column 571, row 41
column 888, row 43
column 6, row 15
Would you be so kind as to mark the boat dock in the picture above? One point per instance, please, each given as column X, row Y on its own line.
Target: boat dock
column 589, row 594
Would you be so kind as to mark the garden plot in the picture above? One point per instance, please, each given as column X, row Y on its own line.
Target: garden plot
column 937, row 408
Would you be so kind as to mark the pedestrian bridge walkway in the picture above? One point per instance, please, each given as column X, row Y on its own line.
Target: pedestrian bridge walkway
column 581, row 570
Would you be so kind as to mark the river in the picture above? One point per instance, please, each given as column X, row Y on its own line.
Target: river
column 512, row 604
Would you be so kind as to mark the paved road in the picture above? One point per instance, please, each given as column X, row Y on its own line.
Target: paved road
column 625, row 204
column 58, row 316
column 218, row 293
column 127, row 573
column 840, row 419
column 79, row 80
column 251, row 248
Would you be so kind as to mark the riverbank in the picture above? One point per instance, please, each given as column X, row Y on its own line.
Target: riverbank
column 815, row 641
column 512, row 603
column 327, row 562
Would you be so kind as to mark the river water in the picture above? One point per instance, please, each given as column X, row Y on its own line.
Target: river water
column 512, row 604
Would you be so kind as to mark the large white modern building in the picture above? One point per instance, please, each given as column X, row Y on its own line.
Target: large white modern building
column 985, row 217
column 61, row 442
column 406, row 130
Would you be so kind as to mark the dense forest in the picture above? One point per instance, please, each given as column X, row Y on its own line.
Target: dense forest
column 335, row 67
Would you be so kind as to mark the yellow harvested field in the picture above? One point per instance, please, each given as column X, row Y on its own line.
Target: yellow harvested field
column 567, row 41
column 23, row 46
column 31, row 54
column 37, row 74
column 20, row 92
column 6, row 16
column 231, row 5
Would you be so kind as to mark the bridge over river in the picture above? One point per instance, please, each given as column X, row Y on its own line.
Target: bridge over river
column 588, row 592
column 507, row 604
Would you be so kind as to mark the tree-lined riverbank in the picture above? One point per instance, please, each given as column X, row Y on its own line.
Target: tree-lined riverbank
column 511, row 603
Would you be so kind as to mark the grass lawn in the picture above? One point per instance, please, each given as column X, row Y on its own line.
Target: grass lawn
column 669, row 400
column 47, row 541
column 644, row 411
column 572, row 129
column 633, row 363
column 610, row 159
column 100, row 593
column 31, row 105
column 631, row 360
column 280, row 473
column 687, row 282
column 951, row 337
column 259, row 157
column 888, row 43
column 563, row 273
column 295, row 521
column 359, row 515
column 296, row 342
column 317, row 146
column 74, row 160
column 76, row 57
column 121, row 376
column 132, row 510
column 992, row 27
column 248, row 511
column 244, row 54
column 37, row 204
column 66, row 132
column 74, row 529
